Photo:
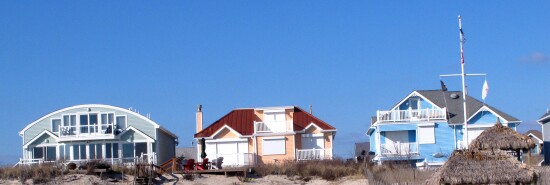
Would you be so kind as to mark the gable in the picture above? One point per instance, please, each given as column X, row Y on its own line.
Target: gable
column 225, row 133
column 302, row 119
column 44, row 139
column 413, row 100
column 312, row 130
column 131, row 136
column 485, row 117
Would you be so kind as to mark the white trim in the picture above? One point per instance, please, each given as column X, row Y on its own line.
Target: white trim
column 426, row 124
column 543, row 118
column 225, row 140
column 219, row 130
column 91, row 106
column 417, row 94
column 312, row 135
column 274, row 137
column 148, row 139
column 485, row 108
column 479, row 126
column 40, row 135
column 310, row 125
column 531, row 134
column 60, row 123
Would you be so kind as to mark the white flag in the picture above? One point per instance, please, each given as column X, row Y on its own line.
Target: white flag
column 485, row 90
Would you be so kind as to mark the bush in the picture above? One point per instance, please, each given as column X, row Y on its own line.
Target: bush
column 326, row 169
column 71, row 166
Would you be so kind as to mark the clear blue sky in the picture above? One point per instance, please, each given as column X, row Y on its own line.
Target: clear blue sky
column 346, row 58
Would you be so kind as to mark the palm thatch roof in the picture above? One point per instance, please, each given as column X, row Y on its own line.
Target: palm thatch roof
column 503, row 138
column 482, row 167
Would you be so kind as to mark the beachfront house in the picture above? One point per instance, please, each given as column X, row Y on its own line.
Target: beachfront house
column 536, row 136
column 543, row 121
column 96, row 132
column 427, row 125
column 248, row 136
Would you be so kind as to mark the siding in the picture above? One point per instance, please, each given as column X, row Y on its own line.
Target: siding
column 166, row 147
column 131, row 136
column 484, row 118
column 132, row 120
column 444, row 143
column 42, row 140
column 372, row 139
column 397, row 127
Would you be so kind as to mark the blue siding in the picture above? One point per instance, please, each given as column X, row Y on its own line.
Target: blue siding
column 372, row 139
column 459, row 133
column 444, row 143
column 397, row 127
column 423, row 104
column 512, row 125
column 412, row 135
column 484, row 118
column 382, row 138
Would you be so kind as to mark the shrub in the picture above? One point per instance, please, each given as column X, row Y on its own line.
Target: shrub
column 326, row 169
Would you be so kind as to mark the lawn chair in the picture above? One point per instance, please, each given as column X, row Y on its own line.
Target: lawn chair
column 217, row 163
column 189, row 165
column 203, row 165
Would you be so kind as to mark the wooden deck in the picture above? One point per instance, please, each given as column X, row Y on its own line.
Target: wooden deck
column 234, row 171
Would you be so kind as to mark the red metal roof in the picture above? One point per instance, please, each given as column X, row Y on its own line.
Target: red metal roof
column 242, row 121
column 302, row 119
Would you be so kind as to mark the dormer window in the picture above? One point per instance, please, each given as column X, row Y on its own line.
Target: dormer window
column 274, row 116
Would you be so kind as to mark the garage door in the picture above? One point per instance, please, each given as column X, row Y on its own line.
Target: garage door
column 233, row 153
column 473, row 133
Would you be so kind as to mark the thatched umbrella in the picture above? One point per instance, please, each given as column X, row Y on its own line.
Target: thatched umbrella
column 503, row 138
column 482, row 167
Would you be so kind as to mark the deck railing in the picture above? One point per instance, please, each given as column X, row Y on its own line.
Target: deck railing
column 234, row 159
column 313, row 154
column 87, row 130
column 271, row 127
column 412, row 115
column 399, row 149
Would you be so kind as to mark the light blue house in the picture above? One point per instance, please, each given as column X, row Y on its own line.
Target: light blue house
column 544, row 121
column 96, row 132
column 427, row 125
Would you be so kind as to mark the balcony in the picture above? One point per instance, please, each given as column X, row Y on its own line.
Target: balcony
column 411, row 115
column 399, row 149
column 272, row 127
column 313, row 154
column 87, row 132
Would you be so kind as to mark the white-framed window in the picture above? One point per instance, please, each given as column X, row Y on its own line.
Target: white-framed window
column 56, row 123
column 121, row 122
column 111, row 150
column 79, row 151
column 107, row 123
column 426, row 134
column 274, row 146
column 69, row 125
column 95, row 151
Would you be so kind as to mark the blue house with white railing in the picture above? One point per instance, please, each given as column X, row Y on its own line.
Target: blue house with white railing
column 427, row 125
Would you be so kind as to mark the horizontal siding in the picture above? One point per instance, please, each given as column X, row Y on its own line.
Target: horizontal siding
column 372, row 139
column 166, row 147
column 131, row 136
column 397, row 127
column 444, row 143
column 484, row 118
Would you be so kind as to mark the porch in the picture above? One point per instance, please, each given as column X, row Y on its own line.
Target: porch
column 411, row 115
column 233, row 159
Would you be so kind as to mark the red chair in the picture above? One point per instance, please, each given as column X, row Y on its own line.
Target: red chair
column 203, row 165
column 189, row 165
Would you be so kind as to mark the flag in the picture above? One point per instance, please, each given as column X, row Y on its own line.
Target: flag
column 443, row 87
column 485, row 90
column 462, row 40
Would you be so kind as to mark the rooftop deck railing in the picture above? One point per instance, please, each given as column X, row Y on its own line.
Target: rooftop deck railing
column 87, row 130
column 412, row 115
column 271, row 127
column 313, row 154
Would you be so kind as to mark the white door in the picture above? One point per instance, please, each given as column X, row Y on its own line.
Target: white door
column 473, row 133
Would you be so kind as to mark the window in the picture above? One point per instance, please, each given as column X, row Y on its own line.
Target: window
column 84, row 123
column 128, row 150
column 426, row 134
column 273, row 146
column 55, row 125
column 69, row 125
column 64, row 152
column 46, row 153
column 111, row 150
column 95, row 151
column 121, row 122
column 274, row 116
column 79, row 152
column 107, row 122
column 141, row 148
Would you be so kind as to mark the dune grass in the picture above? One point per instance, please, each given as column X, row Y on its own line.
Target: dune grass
column 305, row 170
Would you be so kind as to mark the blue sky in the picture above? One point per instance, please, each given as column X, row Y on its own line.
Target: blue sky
column 347, row 59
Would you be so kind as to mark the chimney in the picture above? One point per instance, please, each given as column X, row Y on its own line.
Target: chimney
column 311, row 109
column 199, row 118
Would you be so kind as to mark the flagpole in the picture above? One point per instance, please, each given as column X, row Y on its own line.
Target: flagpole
column 463, row 82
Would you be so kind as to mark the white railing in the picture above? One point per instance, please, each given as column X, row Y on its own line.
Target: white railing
column 412, row 115
column 87, row 130
column 399, row 148
column 235, row 159
column 29, row 161
column 313, row 154
column 271, row 127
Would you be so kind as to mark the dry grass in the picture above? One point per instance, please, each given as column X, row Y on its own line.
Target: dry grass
column 326, row 169
column 38, row 173
column 397, row 174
